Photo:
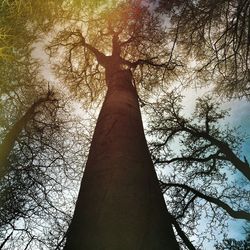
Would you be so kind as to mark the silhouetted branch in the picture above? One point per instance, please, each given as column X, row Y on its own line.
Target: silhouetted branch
column 235, row 214
column 181, row 233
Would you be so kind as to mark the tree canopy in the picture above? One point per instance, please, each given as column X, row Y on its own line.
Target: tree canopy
column 169, row 47
column 216, row 35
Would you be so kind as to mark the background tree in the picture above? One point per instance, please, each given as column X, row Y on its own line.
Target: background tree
column 201, row 160
column 34, row 186
column 37, row 192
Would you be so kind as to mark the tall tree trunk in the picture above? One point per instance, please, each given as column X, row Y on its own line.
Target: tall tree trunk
column 120, row 205
column 10, row 138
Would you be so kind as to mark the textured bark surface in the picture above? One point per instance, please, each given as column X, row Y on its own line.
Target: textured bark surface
column 120, row 205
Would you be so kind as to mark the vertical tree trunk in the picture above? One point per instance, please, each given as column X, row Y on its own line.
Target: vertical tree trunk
column 10, row 138
column 120, row 205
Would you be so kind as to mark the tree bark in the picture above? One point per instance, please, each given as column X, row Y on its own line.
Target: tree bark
column 120, row 205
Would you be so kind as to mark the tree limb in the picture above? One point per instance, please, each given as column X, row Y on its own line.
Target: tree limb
column 242, row 166
column 180, row 232
column 235, row 214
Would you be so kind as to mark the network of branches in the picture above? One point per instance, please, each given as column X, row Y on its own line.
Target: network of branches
column 43, row 144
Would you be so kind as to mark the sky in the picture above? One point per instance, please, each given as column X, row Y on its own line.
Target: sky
column 240, row 116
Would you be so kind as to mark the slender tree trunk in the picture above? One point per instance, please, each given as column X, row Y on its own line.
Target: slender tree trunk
column 120, row 205
column 10, row 138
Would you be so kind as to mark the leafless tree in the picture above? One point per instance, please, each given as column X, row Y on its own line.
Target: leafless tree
column 201, row 159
